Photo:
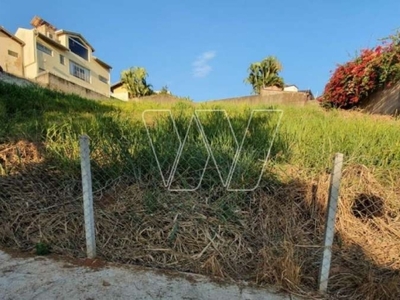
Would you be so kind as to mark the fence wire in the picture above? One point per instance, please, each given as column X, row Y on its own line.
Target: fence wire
column 40, row 204
column 166, row 203
column 285, row 232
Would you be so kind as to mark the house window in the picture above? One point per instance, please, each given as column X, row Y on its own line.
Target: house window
column 12, row 53
column 103, row 79
column 44, row 49
column 79, row 71
column 78, row 48
column 62, row 59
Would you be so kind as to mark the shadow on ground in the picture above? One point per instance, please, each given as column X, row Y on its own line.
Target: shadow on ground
column 270, row 236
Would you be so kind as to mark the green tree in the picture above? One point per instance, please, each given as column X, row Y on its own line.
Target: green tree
column 134, row 80
column 265, row 74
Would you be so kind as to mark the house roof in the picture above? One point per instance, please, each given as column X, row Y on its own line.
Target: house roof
column 116, row 85
column 6, row 32
column 102, row 63
column 52, row 42
column 38, row 21
column 287, row 85
column 63, row 32
column 309, row 92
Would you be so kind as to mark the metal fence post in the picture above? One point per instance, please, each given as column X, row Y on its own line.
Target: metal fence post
column 87, row 196
column 330, row 222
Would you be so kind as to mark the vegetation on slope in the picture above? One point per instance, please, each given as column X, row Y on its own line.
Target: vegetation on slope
column 353, row 82
column 268, row 236
column 135, row 82
column 265, row 74
column 134, row 79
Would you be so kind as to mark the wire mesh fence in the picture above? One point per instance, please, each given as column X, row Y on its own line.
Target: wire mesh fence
column 186, row 203
column 180, row 228
column 39, row 204
column 140, row 195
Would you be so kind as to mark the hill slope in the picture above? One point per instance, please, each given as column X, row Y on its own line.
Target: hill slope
column 269, row 236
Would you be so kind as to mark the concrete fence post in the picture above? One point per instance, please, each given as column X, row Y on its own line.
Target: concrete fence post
column 87, row 196
column 330, row 222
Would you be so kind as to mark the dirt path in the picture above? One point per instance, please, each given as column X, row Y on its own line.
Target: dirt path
column 33, row 277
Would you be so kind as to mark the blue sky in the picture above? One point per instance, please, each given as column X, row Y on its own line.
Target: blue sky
column 202, row 49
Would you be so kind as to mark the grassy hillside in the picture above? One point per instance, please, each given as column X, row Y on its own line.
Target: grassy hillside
column 311, row 135
column 269, row 236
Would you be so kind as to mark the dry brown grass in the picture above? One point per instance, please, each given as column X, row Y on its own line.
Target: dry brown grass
column 17, row 155
column 271, row 236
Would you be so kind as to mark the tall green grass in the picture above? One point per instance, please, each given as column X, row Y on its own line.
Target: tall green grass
column 307, row 136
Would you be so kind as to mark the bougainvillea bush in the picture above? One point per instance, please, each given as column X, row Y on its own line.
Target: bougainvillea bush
column 373, row 69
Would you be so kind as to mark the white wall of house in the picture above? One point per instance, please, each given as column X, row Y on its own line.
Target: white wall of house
column 291, row 88
column 121, row 96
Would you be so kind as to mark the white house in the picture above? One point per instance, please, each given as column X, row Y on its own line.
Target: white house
column 290, row 88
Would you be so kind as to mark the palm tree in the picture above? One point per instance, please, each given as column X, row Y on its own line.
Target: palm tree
column 134, row 80
column 264, row 74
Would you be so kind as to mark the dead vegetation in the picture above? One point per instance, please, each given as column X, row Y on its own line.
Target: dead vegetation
column 271, row 236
